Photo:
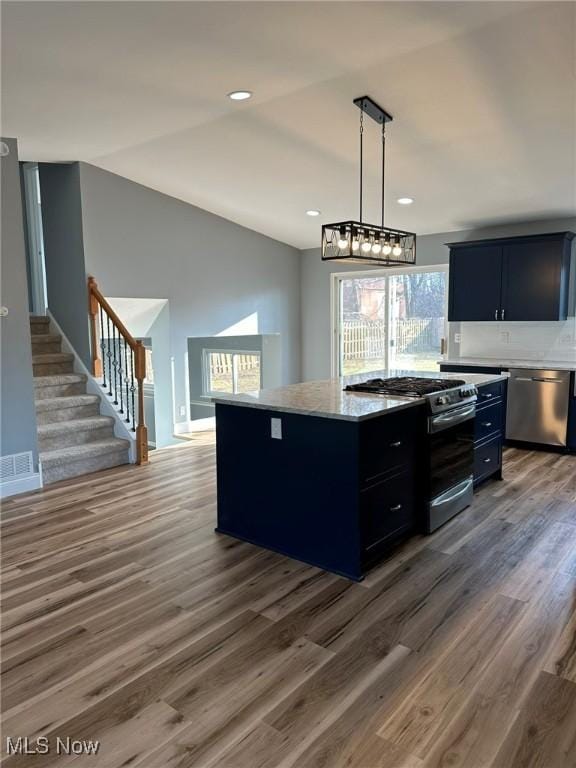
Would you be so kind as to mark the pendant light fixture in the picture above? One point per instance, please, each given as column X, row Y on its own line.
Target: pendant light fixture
column 357, row 241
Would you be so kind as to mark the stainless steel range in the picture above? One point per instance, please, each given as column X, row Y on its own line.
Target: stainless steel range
column 449, row 459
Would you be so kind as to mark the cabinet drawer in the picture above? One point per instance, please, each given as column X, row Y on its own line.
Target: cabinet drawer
column 488, row 392
column 489, row 421
column 487, row 459
column 389, row 443
column 387, row 510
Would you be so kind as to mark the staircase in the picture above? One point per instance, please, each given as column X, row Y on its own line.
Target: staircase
column 73, row 438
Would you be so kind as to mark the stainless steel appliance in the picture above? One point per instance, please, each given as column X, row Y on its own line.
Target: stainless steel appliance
column 450, row 454
column 451, row 406
column 538, row 406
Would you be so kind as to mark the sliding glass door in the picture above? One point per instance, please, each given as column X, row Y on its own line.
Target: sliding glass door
column 389, row 319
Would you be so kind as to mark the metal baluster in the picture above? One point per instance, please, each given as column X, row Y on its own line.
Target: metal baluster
column 115, row 363
column 120, row 372
column 102, row 347
column 133, row 390
column 126, row 380
column 109, row 356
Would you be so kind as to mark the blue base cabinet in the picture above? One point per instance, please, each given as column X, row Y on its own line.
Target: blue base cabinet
column 333, row 493
column 490, row 424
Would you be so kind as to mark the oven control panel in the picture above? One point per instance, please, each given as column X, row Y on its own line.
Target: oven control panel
column 452, row 398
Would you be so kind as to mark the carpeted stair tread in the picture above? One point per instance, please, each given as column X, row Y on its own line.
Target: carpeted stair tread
column 39, row 319
column 68, row 401
column 56, row 379
column 75, row 425
column 47, row 338
column 52, row 357
column 62, row 456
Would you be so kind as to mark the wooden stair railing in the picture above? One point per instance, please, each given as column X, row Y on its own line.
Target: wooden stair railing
column 120, row 361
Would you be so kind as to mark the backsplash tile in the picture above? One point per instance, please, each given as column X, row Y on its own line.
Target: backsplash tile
column 515, row 341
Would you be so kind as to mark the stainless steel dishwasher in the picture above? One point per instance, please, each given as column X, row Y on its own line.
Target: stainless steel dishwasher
column 537, row 409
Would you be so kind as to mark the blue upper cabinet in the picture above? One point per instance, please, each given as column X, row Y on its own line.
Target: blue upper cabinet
column 521, row 278
column 475, row 278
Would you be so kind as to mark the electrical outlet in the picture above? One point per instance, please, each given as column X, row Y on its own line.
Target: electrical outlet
column 566, row 339
column 505, row 337
column 276, row 428
column 457, row 338
column 182, row 410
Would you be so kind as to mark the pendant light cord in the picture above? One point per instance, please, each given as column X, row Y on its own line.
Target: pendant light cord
column 383, row 167
column 361, row 158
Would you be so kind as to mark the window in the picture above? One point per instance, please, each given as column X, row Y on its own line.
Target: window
column 231, row 371
column 390, row 319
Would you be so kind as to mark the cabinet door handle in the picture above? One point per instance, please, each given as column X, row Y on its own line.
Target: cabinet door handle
column 495, row 314
column 397, row 444
column 396, row 508
column 487, row 395
column 503, row 314
column 486, row 423
column 487, row 461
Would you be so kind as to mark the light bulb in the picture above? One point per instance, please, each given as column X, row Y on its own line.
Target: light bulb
column 342, row 243
column 240, row 95
column 377, row 247
column 397, row 251
column 386, row 249
column 355, row 244
column 366, row 246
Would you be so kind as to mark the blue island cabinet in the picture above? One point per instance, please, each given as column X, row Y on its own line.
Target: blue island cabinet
column 334, row 493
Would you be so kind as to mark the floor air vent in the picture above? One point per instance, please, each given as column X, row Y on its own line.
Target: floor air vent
column 16, row 466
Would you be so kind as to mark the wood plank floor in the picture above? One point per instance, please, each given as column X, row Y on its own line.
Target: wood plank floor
column 127, row 620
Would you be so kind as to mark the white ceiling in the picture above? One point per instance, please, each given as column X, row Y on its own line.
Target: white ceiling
column 483, row 97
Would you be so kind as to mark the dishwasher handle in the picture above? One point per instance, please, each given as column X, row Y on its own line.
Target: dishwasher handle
column 540, row 379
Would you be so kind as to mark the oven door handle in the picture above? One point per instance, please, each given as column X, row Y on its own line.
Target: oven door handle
column 453, row 493
column 446, row 420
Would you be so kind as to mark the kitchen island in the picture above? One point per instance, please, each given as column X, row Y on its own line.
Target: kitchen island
column 330, row 477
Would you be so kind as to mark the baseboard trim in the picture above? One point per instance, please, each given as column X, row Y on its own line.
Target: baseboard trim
column 196, row 425
column 20, row 485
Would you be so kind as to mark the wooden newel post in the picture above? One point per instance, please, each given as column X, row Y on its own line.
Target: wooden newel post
column 94, row 340
column 141, row 430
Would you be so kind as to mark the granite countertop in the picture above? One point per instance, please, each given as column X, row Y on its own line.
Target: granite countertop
column 328, row 399
column 489, row 362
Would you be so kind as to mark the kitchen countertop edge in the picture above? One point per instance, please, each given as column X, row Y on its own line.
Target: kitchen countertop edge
column 324, row 397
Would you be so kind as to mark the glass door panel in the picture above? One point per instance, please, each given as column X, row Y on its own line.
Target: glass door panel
column 363, row 325
column 393, row 321
column 417, row 320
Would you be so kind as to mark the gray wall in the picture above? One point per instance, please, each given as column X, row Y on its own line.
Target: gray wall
column 18, row 415
column 141, row 243
column 64, row 252
column 431, row 249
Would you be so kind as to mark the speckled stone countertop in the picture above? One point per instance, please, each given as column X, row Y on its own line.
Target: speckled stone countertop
column 328, row 399
column 489, row 362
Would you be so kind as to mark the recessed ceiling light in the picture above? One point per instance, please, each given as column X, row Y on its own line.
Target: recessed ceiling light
column 405, row 200
column 240, row 95
column 313, row 212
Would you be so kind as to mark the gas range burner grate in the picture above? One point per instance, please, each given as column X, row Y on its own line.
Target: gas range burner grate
column 405, row 386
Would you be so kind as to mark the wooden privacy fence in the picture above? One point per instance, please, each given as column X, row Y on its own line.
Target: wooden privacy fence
column 366, row 339
column 222, row 363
